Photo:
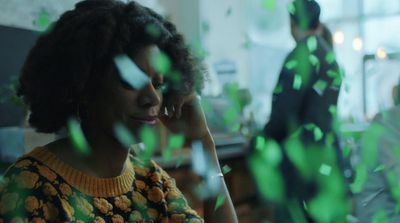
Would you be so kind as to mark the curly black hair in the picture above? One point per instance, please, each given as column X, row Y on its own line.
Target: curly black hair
column 70, row 59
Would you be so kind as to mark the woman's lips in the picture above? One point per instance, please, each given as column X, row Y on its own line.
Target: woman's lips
column 146, row 120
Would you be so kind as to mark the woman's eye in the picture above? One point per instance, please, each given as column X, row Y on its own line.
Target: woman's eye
column 160, row 86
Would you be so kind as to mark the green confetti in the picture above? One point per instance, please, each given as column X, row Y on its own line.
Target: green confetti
column 291, row 64
column 268, row 4
column 153, row 30
column 320, row 87
column 318, row 134
column 123, row 135
column 205, row 27
column 272, row 153
column 77, row 137
column 333, row 110
column 179, row 161
column 380, row 216
column 297, row 82
column 220, row 201
column 226, row 169
column 325, row 170
column 330, row 57
column 176, row 141
column 43, row 20
column 268, row 180
column 296, row 154
column 291, row 8
column 161, row 63
column 313, row 60
column 333, row 74
column 149, row 139
column 346, row 151
column 369, row 144
column 361, row 178
column 312, row 43
column 379, row 168
column 278, row 89
column 260, row 143
column 230, row 115
column 130, row 73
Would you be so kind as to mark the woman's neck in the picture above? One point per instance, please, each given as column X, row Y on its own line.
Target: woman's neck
column 107, row 157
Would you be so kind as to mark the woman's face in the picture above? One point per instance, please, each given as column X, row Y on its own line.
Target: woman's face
column 120, row 103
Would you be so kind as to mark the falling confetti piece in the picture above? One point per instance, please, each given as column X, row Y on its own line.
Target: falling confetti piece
column 312, row 43
column 260, row 143
column 220, row 201
column 43, row 20
column 149, row 139
column 320, row 87
column 161, row 63
column 123, row 134
column 226, row 169
column 278, row 89
column 130, row 73
column 291, row 8
column 380, row 216
column 77, row 137
column 179, row 161
column 269, row 181
column 291, row 64
column 379, row 168
column 176, row 141
column 313, row 60
column 268, row 4
column 330, row 57
column 325, row 170
column 361, row 178
column 199, row 159
column 318, row 134
column 153, row 30
column 297, row 82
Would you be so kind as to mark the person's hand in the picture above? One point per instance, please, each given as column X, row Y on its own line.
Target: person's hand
column 185, row 116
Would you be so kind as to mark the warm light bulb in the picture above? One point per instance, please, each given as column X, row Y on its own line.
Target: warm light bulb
column 357, row 44
column 381, row 53
column 338, row 37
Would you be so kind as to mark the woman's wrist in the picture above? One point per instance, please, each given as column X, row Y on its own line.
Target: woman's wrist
column 207, row 141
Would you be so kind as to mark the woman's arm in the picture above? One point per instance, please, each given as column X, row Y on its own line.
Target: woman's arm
column 188, row 118
column 225, row 213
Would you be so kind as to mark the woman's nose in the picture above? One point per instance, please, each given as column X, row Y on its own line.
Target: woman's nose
column 149, row 96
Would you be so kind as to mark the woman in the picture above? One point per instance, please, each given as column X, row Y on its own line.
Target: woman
column 72, row 72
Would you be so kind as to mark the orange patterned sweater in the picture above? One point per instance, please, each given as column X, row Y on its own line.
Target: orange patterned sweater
column 39, row 187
